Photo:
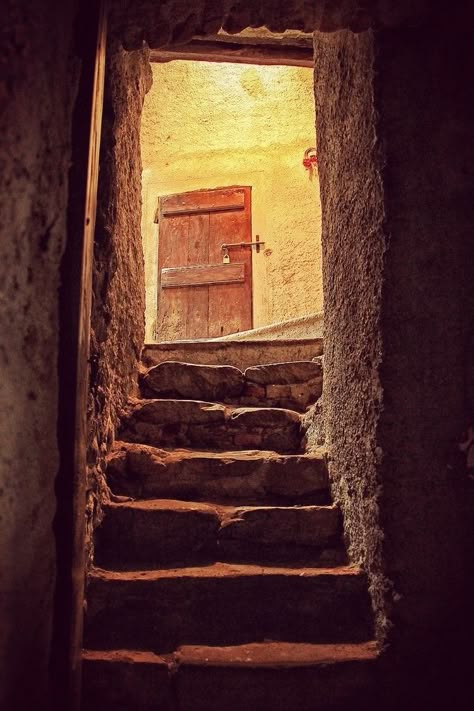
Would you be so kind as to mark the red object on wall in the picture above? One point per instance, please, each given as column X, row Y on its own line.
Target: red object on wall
column 310, row 159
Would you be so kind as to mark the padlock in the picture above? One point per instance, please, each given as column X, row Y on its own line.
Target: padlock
column 226, row 257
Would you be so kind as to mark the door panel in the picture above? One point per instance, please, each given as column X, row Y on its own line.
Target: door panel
column 198, row 296
column 172, row 252
column 229, row 310
column 204, row 302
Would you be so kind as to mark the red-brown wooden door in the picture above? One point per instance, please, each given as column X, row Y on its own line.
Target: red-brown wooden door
column 198, row 295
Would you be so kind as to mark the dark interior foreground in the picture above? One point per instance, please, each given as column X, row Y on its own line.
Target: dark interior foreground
column 394, row 111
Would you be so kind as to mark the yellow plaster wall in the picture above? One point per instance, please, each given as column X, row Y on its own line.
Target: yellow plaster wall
column 208, row 125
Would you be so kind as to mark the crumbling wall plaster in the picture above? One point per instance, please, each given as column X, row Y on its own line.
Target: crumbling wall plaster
column 208, row 125
column 118, row 307
column 37, row 90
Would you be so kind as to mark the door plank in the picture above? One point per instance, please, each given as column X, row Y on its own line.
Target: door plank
column 230, row 305
column 199, row 201
column 172, row 252
column 199, row 275
column 197, row 319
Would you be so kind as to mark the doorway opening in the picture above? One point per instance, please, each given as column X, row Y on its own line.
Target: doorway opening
column 231, row 218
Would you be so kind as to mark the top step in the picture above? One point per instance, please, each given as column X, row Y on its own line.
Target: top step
column 240, row 354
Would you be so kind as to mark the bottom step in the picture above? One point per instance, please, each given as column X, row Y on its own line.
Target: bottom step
column 272, row 676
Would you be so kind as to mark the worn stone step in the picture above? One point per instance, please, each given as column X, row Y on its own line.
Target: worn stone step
column 293, row 385
column 173, row 379
column 226, row 604
column 207, row 425
column 240, row 354
column 276, row 676
column 155, row 532
column 284, row 373
column 266, row 676
column 126, row 680
column 141, row 471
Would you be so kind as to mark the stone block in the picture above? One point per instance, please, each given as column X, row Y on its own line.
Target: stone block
column 277, row 676
column 174, row 379
column 121, row 680
column 283, row 373
column 141, row 471
column 226, row 604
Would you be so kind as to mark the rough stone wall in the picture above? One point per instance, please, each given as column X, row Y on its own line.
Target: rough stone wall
column 353, row 248
column 399, row 307
column 426, row 113
column 118, row 322
column 159, row 23
column 37, row 89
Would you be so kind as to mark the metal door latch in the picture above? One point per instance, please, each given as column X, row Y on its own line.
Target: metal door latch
column 225, row 247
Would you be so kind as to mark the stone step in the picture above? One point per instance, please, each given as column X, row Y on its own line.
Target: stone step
column 226, row 604
column 267, row 676
column 144, row 472
column 240, row 354
column 174, row 379
column 288, row 373
column 157, row 532
column 277, row 676
column 207, row 425
column 293, row 385
column 126, row 680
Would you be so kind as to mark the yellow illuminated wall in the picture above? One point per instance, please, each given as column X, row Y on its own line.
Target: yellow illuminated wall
column 208, row 125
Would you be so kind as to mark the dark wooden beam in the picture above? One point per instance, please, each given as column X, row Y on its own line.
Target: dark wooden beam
column 238, row 52
column 73, row 367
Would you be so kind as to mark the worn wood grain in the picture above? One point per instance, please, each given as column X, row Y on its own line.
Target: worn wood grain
column 199, row 275
column 230, row 305
column 203, row 201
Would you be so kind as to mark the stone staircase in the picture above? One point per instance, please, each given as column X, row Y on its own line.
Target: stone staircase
column 221, row 581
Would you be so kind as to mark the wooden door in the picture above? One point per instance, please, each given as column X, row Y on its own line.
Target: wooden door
column 198, row 295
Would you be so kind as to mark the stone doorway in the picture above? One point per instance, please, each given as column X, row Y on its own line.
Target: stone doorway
column 239, row 110
column 355, row 242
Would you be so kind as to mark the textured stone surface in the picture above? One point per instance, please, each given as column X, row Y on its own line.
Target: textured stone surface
column 226, row 604
column 277, row 676
column 271, row 675
column 352, row 169
column 284, row 373
column 399, row 223
column 39, row 73
column 240, row 354
column 118, row 279
column 195, row 382
column 151, row 533
column 140, row 471
column 303, row 327
column 426, row 325
column 298, row 385
column 124, row 680
column 183, row 423
column 301, row 525
column 296, row 397
column 159, row 24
